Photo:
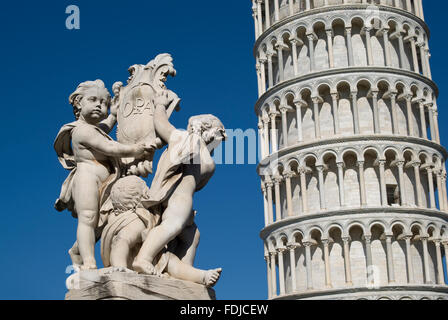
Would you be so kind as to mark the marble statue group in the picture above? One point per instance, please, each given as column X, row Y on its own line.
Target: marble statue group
column 142, row 229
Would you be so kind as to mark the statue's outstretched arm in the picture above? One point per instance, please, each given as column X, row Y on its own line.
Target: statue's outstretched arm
column 162, row 124
column 92, row 139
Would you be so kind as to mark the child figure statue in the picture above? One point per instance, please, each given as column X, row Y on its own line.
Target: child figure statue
column 84, row 148
column 184, row 168
column 129, row 222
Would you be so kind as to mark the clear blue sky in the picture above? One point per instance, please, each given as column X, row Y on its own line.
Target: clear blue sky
column 42, row 63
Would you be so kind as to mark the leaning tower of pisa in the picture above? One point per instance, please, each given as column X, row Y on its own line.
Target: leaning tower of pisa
column 352, row 172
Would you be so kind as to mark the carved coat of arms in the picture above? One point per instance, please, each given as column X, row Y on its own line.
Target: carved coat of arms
column 136, row 108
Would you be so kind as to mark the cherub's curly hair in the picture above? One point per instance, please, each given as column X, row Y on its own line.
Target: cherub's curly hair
column 76, row 97
column 127, row 193
column 199, row 124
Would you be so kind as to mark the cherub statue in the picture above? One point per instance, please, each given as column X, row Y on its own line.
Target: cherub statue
column 84, row 148
column 127, row 226
column 184, row 168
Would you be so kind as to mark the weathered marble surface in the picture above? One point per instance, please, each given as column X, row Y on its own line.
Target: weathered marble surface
column 104, row 284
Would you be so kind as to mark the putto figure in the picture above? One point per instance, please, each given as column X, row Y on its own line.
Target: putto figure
column 146, row 232
column 84, row 148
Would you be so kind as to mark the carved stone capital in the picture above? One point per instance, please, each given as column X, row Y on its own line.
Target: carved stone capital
column 289, row 174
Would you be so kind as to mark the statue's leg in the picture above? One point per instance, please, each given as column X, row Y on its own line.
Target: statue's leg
column 124, row 242
column 86, row 195
column 174, row 220
column 182, row 271
column 188, row 244
column 74, row 255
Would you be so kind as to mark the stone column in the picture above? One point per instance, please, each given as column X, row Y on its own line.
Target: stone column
column 265, row 202
column 393, row 101
column 269, row 186
column 341, row 183
column 387, row 47
column 330, row 48
column 284, row 112
column 303, row 189
column 376, row 113
column 348, row 269
column 278, row 207
column 390, row 259
column 351, row 59
column 269, row 273
column 418, row 183
column 258, row 70
column 426, row 259
column 274, row 139
column 440, row 273
column 431, row 188
column 320, row 171
column 354, row 95
column 294, row 43
column 273, row 275
column 276, row 11
column 281, row 270
column 309, row 269
column 370, row 276
column 326, row 244
column 439, row 189
column 280, row 46
column 369, row 46
column 307, row 5
column 445, row 249
column 260, row 17
column 425, row 67
column 267, row 13
column 436, row 124
column 311, row 51
column 316, row 101
column 423, row 119
column 263, row 75
column 298, row 105
column 409, row 259
column 402, row 54
column 431, row 122
column 335, row 99
column 266, row 135
column 362, row 183
column 270, row 70
column 400, row 166
column 410, row 114
column 292, row 260
column 444, row 191
column 382, row 165
column 256, row 20
column 427, row 55
column 287, row 176
column 291, row 7
column 261, row 138
column 412, row 42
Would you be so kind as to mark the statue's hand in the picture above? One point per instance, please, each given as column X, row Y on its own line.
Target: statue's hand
column 114, row 107
column 163, row 98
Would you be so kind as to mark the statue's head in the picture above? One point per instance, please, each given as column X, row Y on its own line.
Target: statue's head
column 90, row 101
column 209, row 127
column 128, row 193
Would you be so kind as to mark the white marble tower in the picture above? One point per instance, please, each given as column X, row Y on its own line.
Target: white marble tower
column 353, row 172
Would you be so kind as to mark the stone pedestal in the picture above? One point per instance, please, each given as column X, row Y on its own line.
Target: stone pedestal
column 108, row 284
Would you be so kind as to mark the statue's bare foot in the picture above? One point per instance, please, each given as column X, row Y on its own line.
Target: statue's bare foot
column 76, row 258
column 211, row 277
column 121, row 269
column 89, row 264
column 145, row 267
